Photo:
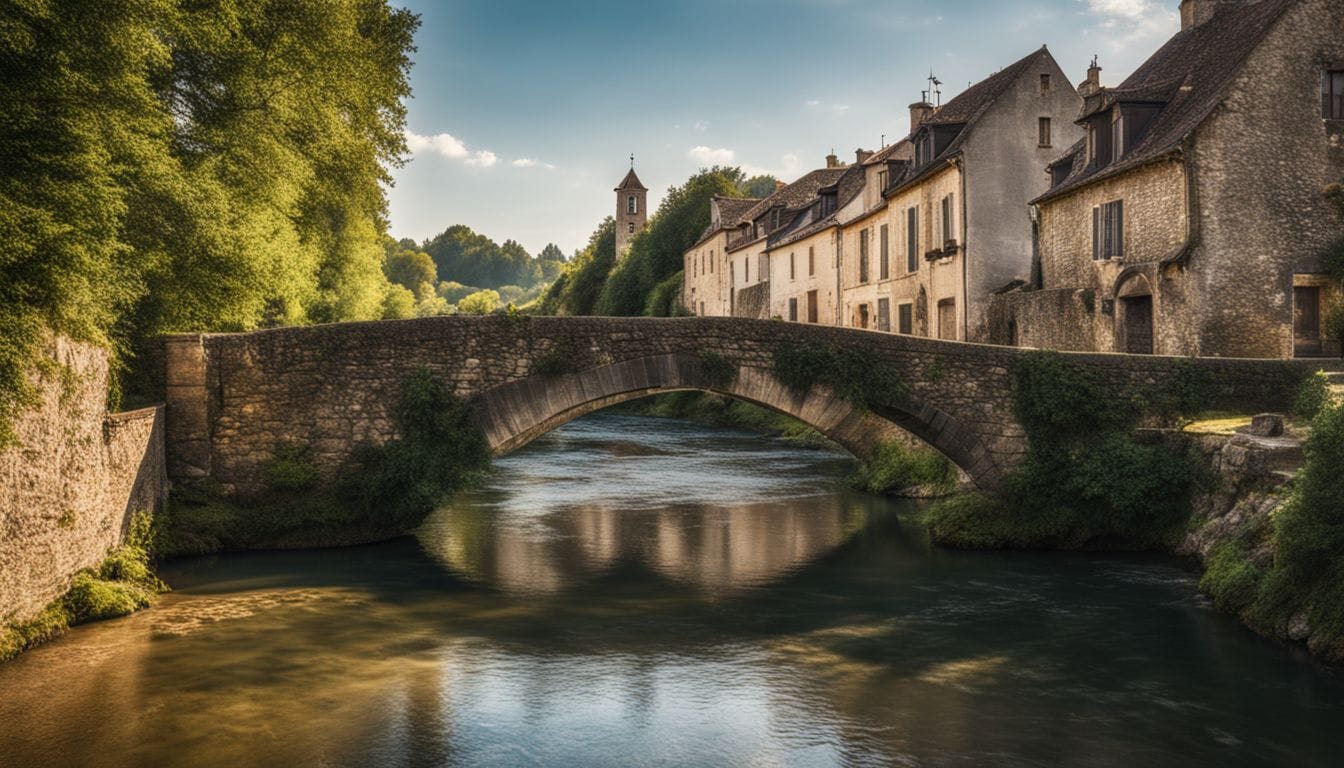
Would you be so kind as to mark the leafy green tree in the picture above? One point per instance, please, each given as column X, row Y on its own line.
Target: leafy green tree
column 758, row 186
column 479, row 303
column 454, row 292
column 411, row 269
column 576, row 290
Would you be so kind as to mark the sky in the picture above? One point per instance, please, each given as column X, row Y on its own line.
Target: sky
column 524, row 114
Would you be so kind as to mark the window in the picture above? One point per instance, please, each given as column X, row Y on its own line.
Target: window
column 632, row 227
column 811, row 261
column 702, row 309
column 881, row 181
column 1045, row 83
column 793, row 310
column 746, row 271
column 1043, row 126
column 1108, row 231
column 884, row 259
column 711, row 262
column 763, row 271
column 732, row 273
column 947, row 319
column 948, row 232
column 631, row 204
column 911, row 239
column 792, row 274
column 863, row 256
column 1332, row 94
column 905, row 319
column 1117, row 134
column 884, row 314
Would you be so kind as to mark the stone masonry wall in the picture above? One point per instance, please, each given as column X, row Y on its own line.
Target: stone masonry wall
column 332, row 386
column 74, row 480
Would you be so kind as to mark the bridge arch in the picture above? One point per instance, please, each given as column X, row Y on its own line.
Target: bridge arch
column 514, row 413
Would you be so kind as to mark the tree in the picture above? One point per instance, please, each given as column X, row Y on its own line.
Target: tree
column 411, row 269
column 576, row 290
column 479, row 303
column 759, row 186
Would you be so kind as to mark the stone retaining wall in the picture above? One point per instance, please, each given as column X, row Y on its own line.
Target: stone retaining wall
column 74, row 480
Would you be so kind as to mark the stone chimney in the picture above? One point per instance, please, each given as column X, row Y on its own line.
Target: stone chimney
column 1093, row 82
column 919, row 112
column 862, row 155
column 1196, row 12
column 832, row 161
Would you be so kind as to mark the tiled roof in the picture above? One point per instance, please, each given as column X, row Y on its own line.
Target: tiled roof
column 797, row 194
column 631, row 181
column 848, row 187
column 1190, row 73
column 885, row 153
column 730, row 214
column 965, row 110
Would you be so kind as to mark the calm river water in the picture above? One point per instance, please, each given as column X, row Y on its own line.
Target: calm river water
column 631, row 591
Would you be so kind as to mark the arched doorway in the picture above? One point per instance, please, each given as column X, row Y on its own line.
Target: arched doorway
column 1134, row 315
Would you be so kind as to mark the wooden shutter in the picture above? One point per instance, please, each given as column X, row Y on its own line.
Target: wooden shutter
column 1096, row 234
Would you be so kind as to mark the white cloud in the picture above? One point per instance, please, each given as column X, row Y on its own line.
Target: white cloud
column 1125, row 23
column 813, row 103
column 840, row 109
column 548, row 166
column 709, row 156
column 482, row 159
column 702, row 125
column 524, row 162
column 439, row 143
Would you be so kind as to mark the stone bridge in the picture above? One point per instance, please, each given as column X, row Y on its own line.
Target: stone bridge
column 232, row 398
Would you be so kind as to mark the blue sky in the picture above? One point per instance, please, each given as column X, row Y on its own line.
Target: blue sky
column 524, row 114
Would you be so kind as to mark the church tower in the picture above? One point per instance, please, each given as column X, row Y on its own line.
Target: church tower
column 631, row 209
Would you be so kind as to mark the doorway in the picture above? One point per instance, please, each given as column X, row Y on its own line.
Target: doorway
column 1307, row 321
column 811, row 306
column 863, row 315
column 947, row 319
column 1138, row 324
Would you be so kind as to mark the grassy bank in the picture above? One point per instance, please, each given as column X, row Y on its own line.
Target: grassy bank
column 122, row 584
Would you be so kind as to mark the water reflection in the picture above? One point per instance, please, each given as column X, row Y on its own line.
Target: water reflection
column 760, row 616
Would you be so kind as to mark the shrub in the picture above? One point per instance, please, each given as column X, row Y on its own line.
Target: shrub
column 718, row 371
column 895, row 466
column 1312, row 396
column 852, row 375
column 1230, row 578
column 291, row 469
column 556, row 362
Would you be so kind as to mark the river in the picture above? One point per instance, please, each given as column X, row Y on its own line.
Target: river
column 631, row 591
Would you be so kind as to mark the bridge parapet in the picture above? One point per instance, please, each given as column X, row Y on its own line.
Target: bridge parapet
column 234, row 397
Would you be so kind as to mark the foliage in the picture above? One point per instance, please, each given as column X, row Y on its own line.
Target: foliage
column 758, row 187
column 193, row 166
column 895, row 466
column 851, row 374
column 718, row 371
column 1312, row 396
column 381, row 490
column 656, row 253
column 576, row 290
column 467, row 257
column 665, row 298
column 1182, row 392
column 1086, row 481
column 122, row 584
column 1230, row 577
column 479, row 303
column 291, row 468
column 411, row 269
column 556, row 362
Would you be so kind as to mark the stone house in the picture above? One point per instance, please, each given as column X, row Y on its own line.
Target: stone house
column 1191, row 219
column 736, row 278
column 944, row 222
column 703, row 292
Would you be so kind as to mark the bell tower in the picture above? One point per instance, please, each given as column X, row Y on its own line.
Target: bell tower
column 631, row 209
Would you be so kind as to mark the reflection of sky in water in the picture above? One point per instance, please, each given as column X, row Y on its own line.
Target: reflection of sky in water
column 843, row 640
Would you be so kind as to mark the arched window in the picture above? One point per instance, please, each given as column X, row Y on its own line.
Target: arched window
column 631, row 204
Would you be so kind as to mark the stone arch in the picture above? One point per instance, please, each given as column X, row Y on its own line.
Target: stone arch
column 513, row 414
column 1135, row 313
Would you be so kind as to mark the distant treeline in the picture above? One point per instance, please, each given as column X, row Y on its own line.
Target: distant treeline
column 462, row 271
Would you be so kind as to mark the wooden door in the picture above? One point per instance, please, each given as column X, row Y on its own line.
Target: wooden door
column 1138, row 325
column 947, row 319
column 811, row 306
column 1307, row 320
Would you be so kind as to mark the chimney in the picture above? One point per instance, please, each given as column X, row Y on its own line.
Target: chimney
column 832, row 161
column 919, row 112
column 779, row 185
column 861, row 156
column 1196, row 12
column 1093, row 82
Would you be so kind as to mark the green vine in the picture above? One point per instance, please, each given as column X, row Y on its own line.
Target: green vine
column 718, row 371
column 852, row 375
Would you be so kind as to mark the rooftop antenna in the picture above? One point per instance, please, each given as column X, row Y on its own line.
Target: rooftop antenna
column 933, row 88
column 883, row 142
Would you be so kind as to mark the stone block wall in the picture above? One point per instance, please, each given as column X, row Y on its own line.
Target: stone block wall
column 332, row 387
column 74, row 480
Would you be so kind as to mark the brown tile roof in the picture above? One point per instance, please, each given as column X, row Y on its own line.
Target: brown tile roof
column 730, row 214
column 631, row 181
column 1191, row 73
column 848, row 187
column 797, row 194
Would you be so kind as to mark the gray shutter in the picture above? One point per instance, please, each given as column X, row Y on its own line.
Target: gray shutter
column 1096, row 233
